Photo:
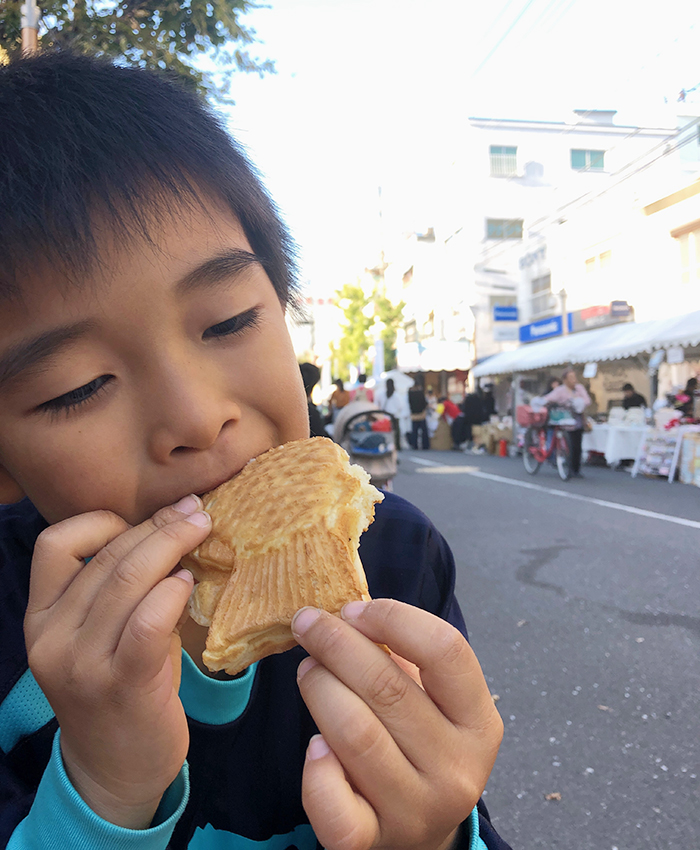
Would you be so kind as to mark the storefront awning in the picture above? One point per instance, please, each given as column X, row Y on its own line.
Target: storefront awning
column 610, row 343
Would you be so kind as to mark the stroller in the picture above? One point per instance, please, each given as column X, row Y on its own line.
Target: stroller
column 368, row 437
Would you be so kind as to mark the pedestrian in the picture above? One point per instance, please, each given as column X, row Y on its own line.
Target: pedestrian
column 631, row 398
column 339, row 398
column 311, row 375
column 363, row 392
column 572, row 395
column 418, row 405
column 396, row 404
column 145, row 279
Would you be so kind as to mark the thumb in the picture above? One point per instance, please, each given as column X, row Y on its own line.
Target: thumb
column 340, row 817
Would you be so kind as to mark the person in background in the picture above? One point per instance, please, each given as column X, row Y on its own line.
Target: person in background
column 474, row 414
column 397, row 405
column 419, row 411
column 432, row 417
column 552, row 384
column 573, row 395
column 339, row 398
column 311, row 375
column 362, row 393
column 631, row 398
column 685, row 400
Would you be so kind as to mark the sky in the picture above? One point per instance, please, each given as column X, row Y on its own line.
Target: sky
column 376, row 93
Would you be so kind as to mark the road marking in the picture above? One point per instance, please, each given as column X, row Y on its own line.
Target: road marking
column 425, row 462
column 552, row 491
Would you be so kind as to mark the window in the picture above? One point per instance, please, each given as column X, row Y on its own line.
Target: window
column 587, row 160
column 541, row 294
column 503, row 161
column 504, row 228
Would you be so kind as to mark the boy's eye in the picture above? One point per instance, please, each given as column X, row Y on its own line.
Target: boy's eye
column 234, row 325
column 73, row 399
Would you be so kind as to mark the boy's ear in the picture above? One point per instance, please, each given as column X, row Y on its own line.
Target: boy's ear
column 10, row 491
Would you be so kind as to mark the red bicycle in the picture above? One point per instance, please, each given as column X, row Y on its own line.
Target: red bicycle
column 545, row 439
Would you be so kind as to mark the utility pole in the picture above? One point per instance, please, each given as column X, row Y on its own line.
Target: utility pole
column 564, row 317
column 30, row 27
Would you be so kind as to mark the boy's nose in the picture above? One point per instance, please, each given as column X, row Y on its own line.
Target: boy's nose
column 189, row 415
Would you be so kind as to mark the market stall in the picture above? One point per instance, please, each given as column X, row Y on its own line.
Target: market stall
column 653, row 356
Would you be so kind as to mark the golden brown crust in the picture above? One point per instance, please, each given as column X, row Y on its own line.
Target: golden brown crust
column 285, row 533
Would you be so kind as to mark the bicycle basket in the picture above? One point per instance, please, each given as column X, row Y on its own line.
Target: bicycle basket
column 528, row 418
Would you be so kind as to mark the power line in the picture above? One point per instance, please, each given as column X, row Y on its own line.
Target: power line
column 502, row 38
column 588, row 197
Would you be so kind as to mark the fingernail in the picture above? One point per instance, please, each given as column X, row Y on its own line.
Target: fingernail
column 318, row 748
column 305, row 666
column 352, row 610
column 304, row 619
column 185, row 575
column 188, row 504
column 201, row 519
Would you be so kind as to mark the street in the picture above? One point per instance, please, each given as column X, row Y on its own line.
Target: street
column 583, row 606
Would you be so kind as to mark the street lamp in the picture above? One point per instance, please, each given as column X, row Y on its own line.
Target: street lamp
column 30, row 25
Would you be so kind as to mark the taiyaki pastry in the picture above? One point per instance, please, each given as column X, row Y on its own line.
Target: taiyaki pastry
column 285, row 534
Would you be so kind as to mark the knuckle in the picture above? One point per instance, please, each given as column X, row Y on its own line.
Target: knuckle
column 386, row 685
column 129, row 571
column 145, row 629
column 361, row 738
column 451, row 645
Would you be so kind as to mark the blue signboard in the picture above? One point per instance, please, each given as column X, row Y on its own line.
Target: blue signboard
column 542, row 329
column 620, row 308
column 505, row 314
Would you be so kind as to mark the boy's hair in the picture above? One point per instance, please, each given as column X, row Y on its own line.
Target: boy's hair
column 82, row 139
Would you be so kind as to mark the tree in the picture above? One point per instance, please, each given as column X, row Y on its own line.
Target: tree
column 165, row 34
column 360, row 313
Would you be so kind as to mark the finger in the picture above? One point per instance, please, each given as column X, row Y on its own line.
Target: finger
column 366, row 749
column 391, row 694
column 87, row 584
column 60, row 553
column 449, row 669
column 339, row 816
column 146, row 641
column 138, row 572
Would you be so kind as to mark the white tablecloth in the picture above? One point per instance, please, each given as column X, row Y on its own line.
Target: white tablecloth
column 616, row 442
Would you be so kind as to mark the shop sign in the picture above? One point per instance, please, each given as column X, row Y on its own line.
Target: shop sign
column 620, row 309
column 542, row 329
column 505, row 332
column 599, row 316
column 503, row 313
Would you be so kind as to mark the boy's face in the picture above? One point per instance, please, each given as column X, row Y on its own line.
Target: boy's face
column 162, row 376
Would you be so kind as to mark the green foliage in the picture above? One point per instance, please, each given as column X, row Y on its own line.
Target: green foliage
column 165, row 34
column 356, row 338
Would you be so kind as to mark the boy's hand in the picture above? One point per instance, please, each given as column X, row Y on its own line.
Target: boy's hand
column 103, row 645
column 398, row 764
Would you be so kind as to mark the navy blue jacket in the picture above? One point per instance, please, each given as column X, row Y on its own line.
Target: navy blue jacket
column 244, row 767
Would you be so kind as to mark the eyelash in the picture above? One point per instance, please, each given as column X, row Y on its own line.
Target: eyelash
column 75, row 398
column 234, row 325
column 68, row 402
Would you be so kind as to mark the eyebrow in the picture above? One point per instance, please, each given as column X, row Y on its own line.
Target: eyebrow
column 212, row 272
column 31, row 353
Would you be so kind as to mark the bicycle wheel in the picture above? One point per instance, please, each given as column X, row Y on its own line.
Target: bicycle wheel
column 563, row 454
column 531, row 444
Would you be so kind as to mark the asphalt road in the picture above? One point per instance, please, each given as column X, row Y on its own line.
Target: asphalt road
column 585, row 616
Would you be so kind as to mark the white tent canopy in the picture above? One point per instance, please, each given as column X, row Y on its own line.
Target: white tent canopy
column 611, row 343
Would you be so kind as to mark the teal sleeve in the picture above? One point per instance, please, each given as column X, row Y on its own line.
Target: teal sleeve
column 59, row 818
